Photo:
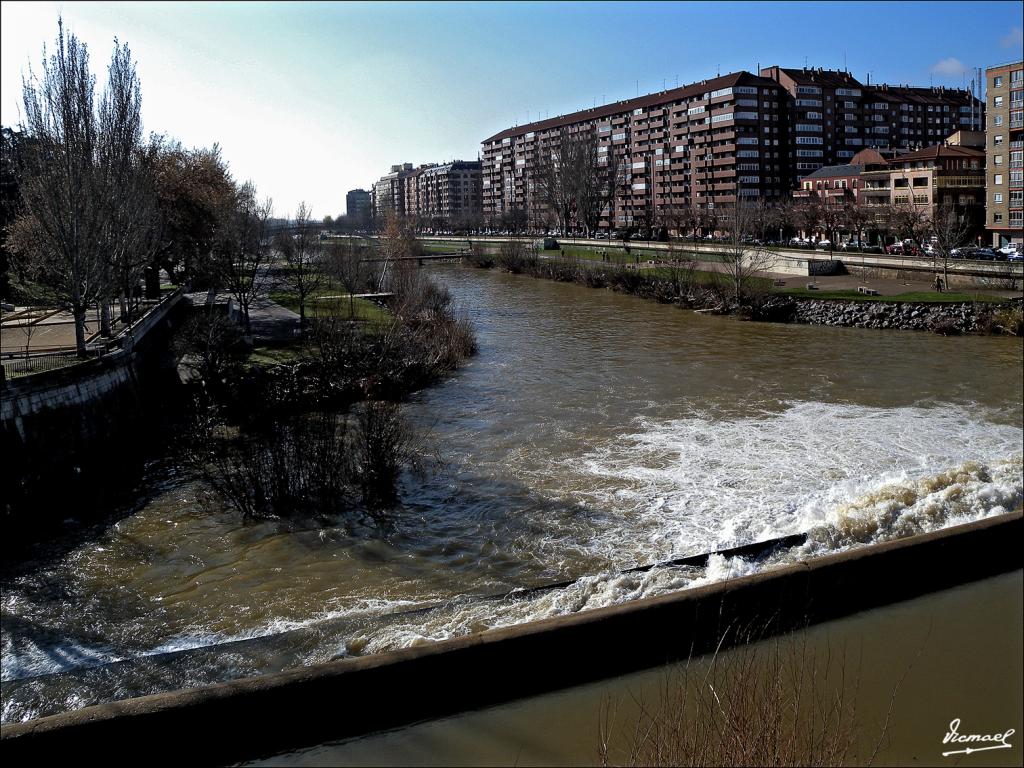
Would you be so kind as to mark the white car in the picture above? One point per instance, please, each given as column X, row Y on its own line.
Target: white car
column 1010, row 249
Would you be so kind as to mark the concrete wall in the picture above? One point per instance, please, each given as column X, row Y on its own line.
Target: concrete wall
column 65, row 433
column 69, row 387
column 263, row 715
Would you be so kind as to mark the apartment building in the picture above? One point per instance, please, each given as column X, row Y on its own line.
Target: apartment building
column 1004, row 149
column 358, row 206
column 832, row 183
column 443, row 195
column 738, row 136
column 703, row 145
column 832, row 116
column 928, row 179
column 432, row 194
column 389, row 191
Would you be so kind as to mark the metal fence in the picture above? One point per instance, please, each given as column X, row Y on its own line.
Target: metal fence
column 17, row 364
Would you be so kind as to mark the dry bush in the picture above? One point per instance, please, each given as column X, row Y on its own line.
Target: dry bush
column 310, row 465
column 476, row 256
column 298, row 465
column 209, row 343
column 944, row 326
column 776, row 703
column 383, row 444
column 518, row 256
column 1009, row 320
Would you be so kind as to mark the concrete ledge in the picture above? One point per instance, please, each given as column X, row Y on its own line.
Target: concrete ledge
column 261, row 715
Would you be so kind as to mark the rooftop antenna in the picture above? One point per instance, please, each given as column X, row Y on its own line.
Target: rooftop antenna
column 637, row 87
column 844, row 61
column 677, row 81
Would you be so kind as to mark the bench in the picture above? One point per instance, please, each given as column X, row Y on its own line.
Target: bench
column 866, row 291
column 812, row 286
column 780, row 283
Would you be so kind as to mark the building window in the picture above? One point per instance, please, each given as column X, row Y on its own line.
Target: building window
column 997, row 120
column 997, row 101
column 998, row 160
column 997, row 179
column 997, row 81
column 997, row 218
column 997, row 140
column 997, row 198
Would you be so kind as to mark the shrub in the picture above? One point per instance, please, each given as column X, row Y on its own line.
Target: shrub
column 944, row 326
column 777, row 703
column 1010, row 320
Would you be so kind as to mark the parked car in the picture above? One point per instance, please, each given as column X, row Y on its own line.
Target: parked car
column 1010, row 249
column 1018, row 256
column 823, row 245
column 986, row 254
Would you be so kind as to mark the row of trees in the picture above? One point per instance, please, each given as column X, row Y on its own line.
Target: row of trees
column 92, row 206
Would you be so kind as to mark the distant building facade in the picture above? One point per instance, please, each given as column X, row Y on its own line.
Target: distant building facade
column 389, row 191
column 433, row 195
column 736, row 137
column 1004, row 149
column 444, row 195
column 359, row 207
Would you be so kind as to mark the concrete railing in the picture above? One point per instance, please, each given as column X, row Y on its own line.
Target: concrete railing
column 275, row 712
column 789, row 260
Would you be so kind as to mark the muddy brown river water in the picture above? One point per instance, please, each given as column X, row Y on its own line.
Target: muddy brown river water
column 594, row 432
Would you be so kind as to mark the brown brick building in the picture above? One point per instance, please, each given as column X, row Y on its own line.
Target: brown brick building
column 1004, row 147
column 738, row 136
column 702, row 145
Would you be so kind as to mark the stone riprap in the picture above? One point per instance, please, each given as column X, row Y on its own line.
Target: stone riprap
column 946, row 318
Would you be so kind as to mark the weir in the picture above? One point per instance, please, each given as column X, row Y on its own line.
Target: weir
column 336, row 700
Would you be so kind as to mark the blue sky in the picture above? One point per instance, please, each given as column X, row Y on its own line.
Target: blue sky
column 311, row 100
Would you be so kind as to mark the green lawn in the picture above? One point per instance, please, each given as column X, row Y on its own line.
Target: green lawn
column 274, row 355
column 323, row 303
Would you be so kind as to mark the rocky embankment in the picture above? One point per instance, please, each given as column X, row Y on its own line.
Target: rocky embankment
column 947, row 319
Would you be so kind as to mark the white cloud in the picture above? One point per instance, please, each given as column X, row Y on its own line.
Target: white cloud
column 1013, row 39
column 950, row 67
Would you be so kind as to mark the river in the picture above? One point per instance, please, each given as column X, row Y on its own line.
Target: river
column 593, row 432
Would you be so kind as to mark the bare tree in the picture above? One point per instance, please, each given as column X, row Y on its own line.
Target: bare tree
column 589, row 180
column 303, row 258
column 572, row 181
column 808, row 215
column 950, row 229
column 346, row 262
column 832, row 216
column 910, row 223
column 858, row 219
column 61, row 185
column 742, row 262
column 553, row 177
column 397, row 242
column 243, row 248
column 128, row 171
